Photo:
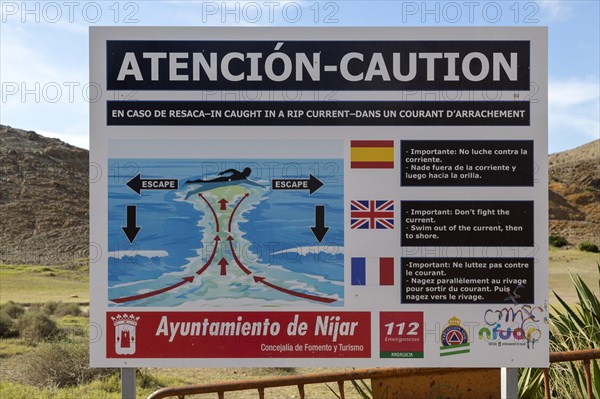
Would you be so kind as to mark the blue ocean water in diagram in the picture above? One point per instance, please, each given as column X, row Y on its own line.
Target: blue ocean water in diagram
column 226, row 240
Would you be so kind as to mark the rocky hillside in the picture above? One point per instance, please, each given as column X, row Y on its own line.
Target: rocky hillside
column 44, row 198
column 574, row 191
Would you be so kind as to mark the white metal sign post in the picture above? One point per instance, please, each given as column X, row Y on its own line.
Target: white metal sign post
column 319, row 197
column 128, row 383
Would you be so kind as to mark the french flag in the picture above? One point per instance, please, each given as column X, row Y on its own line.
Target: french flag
column 372, row 271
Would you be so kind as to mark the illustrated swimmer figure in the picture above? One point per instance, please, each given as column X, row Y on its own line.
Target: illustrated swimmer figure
column 232, row 175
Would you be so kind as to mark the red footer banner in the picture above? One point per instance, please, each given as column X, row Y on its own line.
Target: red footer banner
column 238, row 335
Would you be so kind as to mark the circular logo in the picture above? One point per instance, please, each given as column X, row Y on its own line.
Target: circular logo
column 454, row 335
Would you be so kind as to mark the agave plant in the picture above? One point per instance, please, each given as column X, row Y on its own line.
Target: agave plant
column 572, row 327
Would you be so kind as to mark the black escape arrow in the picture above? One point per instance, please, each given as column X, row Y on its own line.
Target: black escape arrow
column 311, row 184
column 138, row 184
column 319, row 229
column 131, row 230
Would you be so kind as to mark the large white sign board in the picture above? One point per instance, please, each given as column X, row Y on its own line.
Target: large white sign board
column 319, row 197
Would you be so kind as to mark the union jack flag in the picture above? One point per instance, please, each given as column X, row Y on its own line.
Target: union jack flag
column 372, row 214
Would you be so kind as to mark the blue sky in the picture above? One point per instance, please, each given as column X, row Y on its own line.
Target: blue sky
column 44, row 49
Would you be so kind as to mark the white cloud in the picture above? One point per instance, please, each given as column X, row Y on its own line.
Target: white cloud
column 574, row 108
column 567, row 93
column 25, row 58
column 555, row 10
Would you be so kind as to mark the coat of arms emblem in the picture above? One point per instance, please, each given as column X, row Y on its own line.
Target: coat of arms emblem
column 125, row 333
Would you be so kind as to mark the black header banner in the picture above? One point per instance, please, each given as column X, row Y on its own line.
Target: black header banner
column 318, row 65
column 317, row 113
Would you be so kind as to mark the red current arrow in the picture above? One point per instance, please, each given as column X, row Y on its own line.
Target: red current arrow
column 152, row 293
column 237, row 260
column 223, row 202
column 212, row 210
column 294, row 293
column 212, row 257
column 223, row 263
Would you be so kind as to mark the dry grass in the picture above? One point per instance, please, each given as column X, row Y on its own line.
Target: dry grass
column 36, row 284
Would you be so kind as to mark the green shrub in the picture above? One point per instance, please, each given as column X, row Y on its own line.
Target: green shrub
column 110, row 383
column 588, row 247
column 60, row 308
column 37, row 308
column 557, row 241
column 49, row 307
column 6, row 325
column 14, row 310
column 37, row 327
column 67, row 309
column 74, row 327
column 146, row 380
column 55, row 365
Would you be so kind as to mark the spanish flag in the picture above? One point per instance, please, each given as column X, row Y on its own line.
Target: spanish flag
column 372, row 154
